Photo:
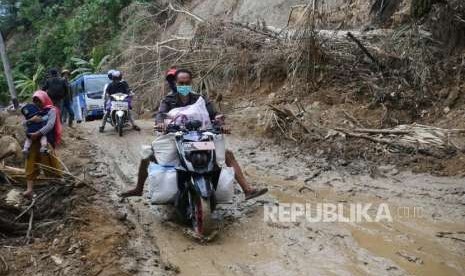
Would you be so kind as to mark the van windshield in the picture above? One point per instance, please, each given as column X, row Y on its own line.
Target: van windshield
column 95, row 84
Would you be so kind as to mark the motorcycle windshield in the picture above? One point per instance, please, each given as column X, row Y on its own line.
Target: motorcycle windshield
column 193, row 136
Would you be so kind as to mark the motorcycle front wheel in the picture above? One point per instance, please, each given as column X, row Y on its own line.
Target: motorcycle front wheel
column 201, row 219
column 120, row 126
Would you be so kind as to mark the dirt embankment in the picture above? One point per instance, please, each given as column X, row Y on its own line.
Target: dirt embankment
column 395, row 70
column 76, row 228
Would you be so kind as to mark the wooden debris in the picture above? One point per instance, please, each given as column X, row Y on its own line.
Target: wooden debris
column 364, row 49
column 414, row 137
column 29, row 228
column 4, row 268
column 287, row 114
column 382, row 131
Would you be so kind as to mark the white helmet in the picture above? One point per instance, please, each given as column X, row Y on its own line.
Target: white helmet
column 110, row 73
column 116, row 74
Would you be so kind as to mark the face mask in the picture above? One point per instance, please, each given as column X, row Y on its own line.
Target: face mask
column 184, row 90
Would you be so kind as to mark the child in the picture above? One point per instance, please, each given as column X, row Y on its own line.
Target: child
column 29, row 111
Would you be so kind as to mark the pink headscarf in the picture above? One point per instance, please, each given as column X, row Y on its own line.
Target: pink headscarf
column 47, row 103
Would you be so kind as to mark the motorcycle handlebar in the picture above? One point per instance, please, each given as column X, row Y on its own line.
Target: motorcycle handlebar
column 175, row 128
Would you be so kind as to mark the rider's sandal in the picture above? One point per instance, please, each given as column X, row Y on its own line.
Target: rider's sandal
column 136, row 128
column 28, row 196
column 256, row 193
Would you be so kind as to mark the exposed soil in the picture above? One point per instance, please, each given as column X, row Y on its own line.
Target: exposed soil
column 88, row 236
column 102, row 236
column 246, row 245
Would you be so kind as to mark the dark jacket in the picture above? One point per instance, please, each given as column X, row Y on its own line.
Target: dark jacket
column 173, row 100
column 56, row 88
column 117, row 87
column 68, row 93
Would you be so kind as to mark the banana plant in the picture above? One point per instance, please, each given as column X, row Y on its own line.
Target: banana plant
column 26, row 85
column 93, row 65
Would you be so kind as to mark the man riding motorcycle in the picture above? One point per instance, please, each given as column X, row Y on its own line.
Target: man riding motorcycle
column 184, row 97
column 117, row 85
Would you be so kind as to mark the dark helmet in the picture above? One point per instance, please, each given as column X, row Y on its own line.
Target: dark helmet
column 171, row 74
column 53, row 72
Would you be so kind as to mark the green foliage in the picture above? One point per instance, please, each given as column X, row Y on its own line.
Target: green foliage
column 27, row 85
column 4, row 95
column 52, row 32
column 8, row 15
column 93, row 65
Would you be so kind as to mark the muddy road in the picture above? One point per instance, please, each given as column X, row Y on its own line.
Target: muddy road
column 430, row 241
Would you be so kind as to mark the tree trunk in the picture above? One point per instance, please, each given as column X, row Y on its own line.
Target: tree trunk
column 8, row 74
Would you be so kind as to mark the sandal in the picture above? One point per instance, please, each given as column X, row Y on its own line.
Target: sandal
column 256, row 193
column 130, row 193
column 28, row 195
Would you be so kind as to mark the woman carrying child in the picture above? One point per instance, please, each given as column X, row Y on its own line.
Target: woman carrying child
column 52, row 130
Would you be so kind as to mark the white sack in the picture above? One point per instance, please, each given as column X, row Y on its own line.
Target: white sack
column 163, row 184
column 197, row 111
column 220, row 150
column 164, row 149
column 225, row 189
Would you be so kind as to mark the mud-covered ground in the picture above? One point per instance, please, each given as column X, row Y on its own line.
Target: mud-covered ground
column 429, row 242
column 86, row 235
column 105, row 236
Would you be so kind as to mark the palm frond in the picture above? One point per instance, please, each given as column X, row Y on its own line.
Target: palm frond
column 102, row 62
column 81, row 70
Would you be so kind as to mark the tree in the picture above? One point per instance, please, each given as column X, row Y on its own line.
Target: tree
column 27, row 85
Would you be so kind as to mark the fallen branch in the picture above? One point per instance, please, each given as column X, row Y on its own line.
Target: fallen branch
column 11, row 170
column 29, row 229
column 285, row 113
column 383, row 131
column 5, row 268
column 364, row 49
column 196, row 17
column 373, row 139
column 27, row 209
column 55, row 170
column 352, row 119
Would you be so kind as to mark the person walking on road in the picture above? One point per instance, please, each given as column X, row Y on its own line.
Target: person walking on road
column 67, row 106
column 55, row 87
column 52, row 129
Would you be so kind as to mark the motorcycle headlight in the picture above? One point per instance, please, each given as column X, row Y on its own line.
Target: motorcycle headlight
column 199, row 159
column 119, row 97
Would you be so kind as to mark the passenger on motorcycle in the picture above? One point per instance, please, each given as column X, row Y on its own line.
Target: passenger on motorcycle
column 117, row 85
column 183, row 97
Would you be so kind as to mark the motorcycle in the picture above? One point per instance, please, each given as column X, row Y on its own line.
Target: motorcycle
column 198, row 175
column 119, row 111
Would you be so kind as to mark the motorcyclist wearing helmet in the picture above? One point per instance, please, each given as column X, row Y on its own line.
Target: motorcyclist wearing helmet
column 117, row 85
column 171, row 78
column 110, row 76
column 183, row 97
